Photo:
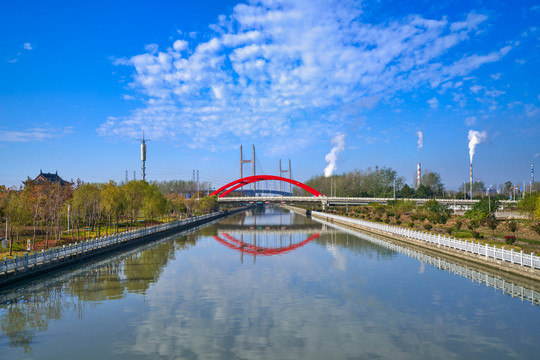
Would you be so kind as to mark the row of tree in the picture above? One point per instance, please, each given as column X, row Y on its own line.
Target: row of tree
column 385, row 182
column 48, row 208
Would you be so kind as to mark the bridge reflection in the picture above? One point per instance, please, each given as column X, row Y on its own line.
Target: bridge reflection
column 266, row 249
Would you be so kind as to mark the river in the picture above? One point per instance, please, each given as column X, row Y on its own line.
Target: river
column 268, row 284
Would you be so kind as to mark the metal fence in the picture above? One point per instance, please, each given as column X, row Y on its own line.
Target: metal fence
column 30, row 260
column 507, row 287
column 493, row 252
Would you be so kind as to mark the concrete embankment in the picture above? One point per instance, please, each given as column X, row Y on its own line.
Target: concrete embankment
column 36, row 264
column 517, row 272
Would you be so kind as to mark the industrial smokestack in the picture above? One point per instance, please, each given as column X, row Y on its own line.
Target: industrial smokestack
column 418, row 175
column 471, row 183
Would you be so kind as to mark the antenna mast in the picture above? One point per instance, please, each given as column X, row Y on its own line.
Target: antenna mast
column 143, row 155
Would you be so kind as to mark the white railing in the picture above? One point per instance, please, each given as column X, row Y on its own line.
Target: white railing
column 507, row 287
column 30, row 260
column 520, row 258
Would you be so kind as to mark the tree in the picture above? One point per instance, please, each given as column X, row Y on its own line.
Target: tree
column 492, row 223
column 529, row 203
column 18, row 214
column 208, row 203
column 407, row 191
column 483, row 209
column 508, row 188
column 176, row 204
column 432, row 182
column 113, row 203
column 478, row 187
column 437, row 212
column 154, row 203
column 134, row 193
column 367, row 183
column 87, row 205
column 512, row 225
column 423, row 192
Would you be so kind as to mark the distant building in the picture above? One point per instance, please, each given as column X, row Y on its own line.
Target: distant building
column 43, row 178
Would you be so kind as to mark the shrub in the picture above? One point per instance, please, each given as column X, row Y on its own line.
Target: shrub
column 398, row 222
column 449, row 231
column 473, row 224
column 397, row 216
column 536, row 228
column 492, row 223
column 411, row 224
column 509, row 239
column 428, row 227
column 387, row 220
column 477, row 235
column 458, row 224
column 512, row 225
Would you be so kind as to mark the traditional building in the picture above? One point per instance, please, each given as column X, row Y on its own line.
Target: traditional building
column 49, row 178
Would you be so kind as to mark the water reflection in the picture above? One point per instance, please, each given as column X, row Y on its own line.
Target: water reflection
column 339, row 295
column 30, row 309
column 490, row 280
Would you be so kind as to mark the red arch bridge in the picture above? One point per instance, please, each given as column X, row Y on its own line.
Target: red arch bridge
column 317, row 197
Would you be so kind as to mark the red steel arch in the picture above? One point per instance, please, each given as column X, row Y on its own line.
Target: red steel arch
column 251, row 179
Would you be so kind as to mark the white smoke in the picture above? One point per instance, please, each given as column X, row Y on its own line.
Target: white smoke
column 476, row 138
column 332, row 156
column 420, row 139
column 536, row 155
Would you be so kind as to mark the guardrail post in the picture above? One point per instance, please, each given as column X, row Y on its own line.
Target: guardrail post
column 521, row 258
column 5, row 265
column 26, row 261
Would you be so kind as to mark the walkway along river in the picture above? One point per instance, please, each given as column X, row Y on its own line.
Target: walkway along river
column 34, row 264
column 270, row 284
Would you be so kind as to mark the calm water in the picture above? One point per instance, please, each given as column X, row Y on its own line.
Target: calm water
column 266, row 284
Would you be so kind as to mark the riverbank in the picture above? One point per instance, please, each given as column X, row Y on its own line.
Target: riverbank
column 516, row 270
column 36, row 264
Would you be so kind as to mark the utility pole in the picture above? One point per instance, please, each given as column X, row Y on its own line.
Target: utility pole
column 198, row 184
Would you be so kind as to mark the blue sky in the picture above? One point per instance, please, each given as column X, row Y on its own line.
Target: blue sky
column 297, row 78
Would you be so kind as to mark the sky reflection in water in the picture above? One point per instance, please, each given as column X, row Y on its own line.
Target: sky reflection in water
column 337, row 296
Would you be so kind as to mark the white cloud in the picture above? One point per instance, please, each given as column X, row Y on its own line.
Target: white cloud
column 27, row 46
column 496, row 76
column 273, row 65
column 476, row 88
column 180, row 45
column 32, row 135
column 433, row 103
column 471, row 121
